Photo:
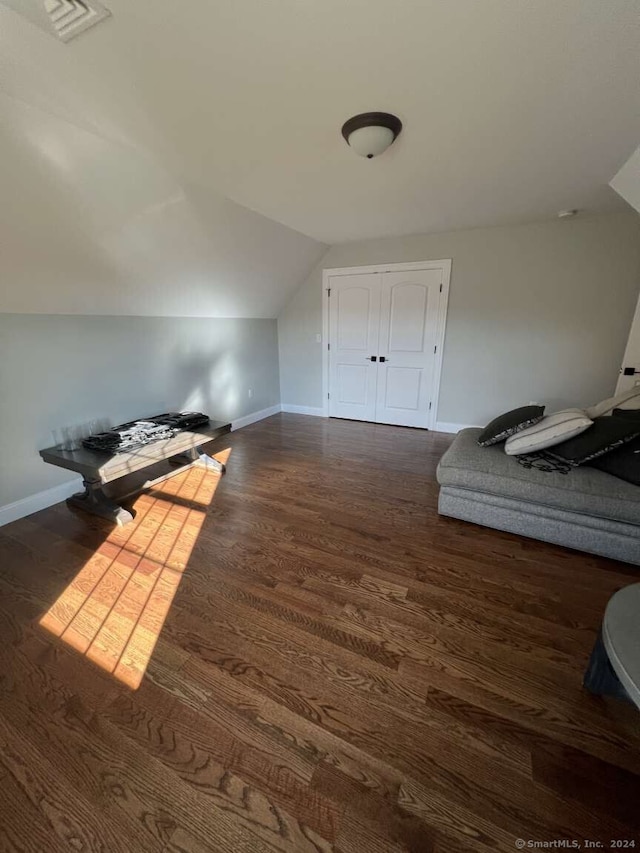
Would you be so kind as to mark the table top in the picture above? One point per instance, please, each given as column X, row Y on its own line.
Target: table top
column 106, row 467
column 621, row 637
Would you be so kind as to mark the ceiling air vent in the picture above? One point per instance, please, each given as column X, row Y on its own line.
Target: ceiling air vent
column 65, row 19
column 69, row 18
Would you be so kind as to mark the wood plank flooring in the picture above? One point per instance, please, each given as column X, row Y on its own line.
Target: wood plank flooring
column 331, row 666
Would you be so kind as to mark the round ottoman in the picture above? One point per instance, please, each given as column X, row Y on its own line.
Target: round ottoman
column 614, row 668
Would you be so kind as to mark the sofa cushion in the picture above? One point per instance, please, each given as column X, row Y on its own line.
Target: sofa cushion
column 584, row 490
column 551, row 430
column 509, row 423
column 604, row 536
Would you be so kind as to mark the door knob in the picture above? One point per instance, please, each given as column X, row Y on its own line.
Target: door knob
column 373, row 358
column 383, row 358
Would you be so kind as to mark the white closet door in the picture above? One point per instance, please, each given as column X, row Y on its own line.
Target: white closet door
column 409, row 311
column 354, row 321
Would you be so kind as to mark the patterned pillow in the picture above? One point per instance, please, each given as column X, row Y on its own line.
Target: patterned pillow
column 505, row 425
column 605, row 435
column 623, row 463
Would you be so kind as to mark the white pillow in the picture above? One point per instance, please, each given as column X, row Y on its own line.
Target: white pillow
column 629, row 399
column 551, row 430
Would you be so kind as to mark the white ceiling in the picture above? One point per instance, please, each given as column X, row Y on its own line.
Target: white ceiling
column 512, row 110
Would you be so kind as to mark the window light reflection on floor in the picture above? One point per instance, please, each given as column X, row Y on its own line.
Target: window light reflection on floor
column 114, row 609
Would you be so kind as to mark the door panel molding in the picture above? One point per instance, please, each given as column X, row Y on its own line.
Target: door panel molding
column 396, row 295
column 354, row 326
column 443, row 300
column 409, row 311
column 409, row 376
column 347, row 300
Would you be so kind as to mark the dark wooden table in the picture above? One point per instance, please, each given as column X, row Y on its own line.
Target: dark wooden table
column 101, row 469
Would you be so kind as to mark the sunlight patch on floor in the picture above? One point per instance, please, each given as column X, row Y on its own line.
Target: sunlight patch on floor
column 114, row 609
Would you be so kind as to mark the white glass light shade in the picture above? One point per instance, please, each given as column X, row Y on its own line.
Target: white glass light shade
column 370, row 141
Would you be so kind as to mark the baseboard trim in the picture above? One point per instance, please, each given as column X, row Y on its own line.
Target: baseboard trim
column 441, row 426
column 254, row 417
column 302, row 410
column 41, row 500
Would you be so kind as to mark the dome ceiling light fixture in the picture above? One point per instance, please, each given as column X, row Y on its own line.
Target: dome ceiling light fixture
column 369, row 134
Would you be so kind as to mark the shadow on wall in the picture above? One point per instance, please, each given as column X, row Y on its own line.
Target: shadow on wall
column 203, row 381
column 212, row 380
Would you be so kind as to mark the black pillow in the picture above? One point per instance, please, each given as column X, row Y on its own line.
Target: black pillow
column 505, row 425
column 623, row 463
column 605, row 435
column 627, row 414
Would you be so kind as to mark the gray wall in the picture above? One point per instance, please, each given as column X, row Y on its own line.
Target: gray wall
column 57, row 370
column 536, row 312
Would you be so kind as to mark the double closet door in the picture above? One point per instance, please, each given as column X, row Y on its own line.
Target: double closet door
column 383, row 338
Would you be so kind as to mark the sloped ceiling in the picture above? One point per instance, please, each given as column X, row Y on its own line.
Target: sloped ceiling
column 149, row 130
column 94, row 222
column 627, row 181
column 91, row 226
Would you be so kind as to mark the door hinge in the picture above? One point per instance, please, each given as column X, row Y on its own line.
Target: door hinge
column 328, row 346
column 429, row 406
column 329, row 292
column 435, row 349
column 440, row 288
column 328, row 396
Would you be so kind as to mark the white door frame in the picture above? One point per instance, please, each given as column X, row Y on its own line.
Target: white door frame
column 631, row 355
column 445, row 266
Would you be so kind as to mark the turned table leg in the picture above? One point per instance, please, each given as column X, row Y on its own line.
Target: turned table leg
column 94, row 500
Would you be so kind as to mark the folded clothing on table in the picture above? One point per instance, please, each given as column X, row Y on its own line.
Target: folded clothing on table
column 135, row 434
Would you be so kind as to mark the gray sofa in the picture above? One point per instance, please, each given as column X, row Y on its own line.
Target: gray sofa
column 585, row 509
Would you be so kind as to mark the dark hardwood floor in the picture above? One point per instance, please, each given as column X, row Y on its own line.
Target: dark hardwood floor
column 321, row 663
